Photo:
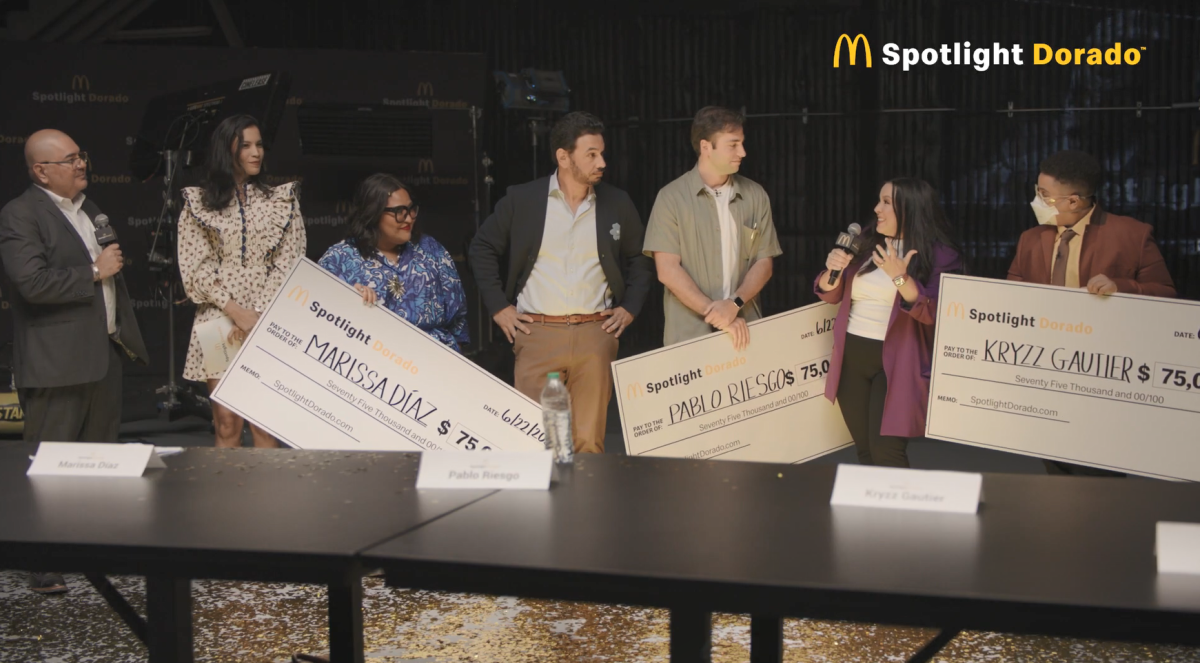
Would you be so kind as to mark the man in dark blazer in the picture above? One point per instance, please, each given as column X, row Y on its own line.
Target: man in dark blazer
column 1076, row 244
column 72, row 318
column 576, row 276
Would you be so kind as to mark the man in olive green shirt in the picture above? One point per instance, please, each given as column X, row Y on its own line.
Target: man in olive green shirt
column 711, row 236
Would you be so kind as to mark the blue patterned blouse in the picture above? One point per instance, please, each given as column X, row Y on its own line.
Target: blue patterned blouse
column 423, row 287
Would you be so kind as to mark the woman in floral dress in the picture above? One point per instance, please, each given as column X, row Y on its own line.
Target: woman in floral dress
column 387, row 261
column 238, row 239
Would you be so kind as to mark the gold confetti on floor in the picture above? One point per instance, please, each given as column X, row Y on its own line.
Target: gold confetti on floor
column 239, row 622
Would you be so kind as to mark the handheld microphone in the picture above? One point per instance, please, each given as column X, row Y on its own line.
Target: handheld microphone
column 848, row 243
column 104, row 232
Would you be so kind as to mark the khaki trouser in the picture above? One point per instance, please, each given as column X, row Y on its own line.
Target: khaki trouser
column 583, row 354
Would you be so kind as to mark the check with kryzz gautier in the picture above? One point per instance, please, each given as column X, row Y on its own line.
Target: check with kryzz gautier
column 1111, row 382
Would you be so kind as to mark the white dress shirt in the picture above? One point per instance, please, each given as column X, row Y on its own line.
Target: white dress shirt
column 79, row 220
column 567, row 277
column 729, row 236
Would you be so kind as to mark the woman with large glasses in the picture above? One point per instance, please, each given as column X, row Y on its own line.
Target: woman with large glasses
column 238, row 239
column 388, row 261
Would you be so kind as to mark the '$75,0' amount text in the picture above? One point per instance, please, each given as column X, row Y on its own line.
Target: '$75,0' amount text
column 1178, row 378
column 463, row 438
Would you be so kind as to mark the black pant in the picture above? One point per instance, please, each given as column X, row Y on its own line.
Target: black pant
column 861, row 391
column 89, row 412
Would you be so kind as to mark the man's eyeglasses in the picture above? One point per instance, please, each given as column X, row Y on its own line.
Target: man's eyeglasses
column 402, row 211
column 81, row 158
column 1051, row 201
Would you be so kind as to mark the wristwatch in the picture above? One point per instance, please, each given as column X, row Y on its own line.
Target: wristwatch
column 739, row 302
column 900, row 280
column 95, row 272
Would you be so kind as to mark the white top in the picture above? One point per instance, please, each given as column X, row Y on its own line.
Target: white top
column 871, row 302
column 567, row 277
column 79, row 220
column 729, row 236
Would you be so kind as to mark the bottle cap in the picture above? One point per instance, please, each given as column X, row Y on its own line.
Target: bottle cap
column 552, row 376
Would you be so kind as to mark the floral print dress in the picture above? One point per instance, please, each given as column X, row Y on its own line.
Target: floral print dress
column 423, row 286
column 242, row 252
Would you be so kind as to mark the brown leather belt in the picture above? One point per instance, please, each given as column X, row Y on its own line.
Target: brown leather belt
column 577, row 319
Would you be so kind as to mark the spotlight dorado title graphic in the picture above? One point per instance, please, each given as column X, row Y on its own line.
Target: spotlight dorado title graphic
column 982, row 58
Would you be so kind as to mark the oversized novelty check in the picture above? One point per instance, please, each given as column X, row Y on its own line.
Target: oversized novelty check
column 322, row 371
column 1112, row 382
column 701, row 399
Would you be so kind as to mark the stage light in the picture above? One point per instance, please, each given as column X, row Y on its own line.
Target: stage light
column 534, row 89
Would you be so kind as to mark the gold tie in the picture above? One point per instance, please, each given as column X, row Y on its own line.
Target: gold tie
column 1059, row 275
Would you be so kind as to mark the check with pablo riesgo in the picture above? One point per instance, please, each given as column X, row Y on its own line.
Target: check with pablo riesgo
column 1111, row 382
column 702, row 399
column 322, row 371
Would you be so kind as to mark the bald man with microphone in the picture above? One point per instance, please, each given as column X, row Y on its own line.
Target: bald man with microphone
column 73, row 323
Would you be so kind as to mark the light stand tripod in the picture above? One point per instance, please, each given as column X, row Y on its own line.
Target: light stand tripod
column 484, row 319
column 172, row 406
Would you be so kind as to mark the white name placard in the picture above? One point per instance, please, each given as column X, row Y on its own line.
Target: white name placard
column 1178, row 547
column 93, row 459
column 523, row 470
column 913, row 490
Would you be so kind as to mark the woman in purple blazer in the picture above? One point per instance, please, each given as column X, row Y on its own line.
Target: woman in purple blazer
column 883, row 335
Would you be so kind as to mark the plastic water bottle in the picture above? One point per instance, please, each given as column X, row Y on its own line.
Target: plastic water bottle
column 556, row 419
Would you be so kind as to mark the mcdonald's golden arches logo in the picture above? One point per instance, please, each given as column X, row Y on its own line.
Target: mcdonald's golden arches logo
column 80, row 82
column 853, row 43
column 634, row 390
column 425, row 166
column 955, row 310
column 299, row 294
column 425, row 89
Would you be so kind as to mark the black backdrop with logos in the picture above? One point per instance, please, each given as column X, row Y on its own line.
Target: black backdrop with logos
column 645, row 67
column 821, row 140
column 98, row 94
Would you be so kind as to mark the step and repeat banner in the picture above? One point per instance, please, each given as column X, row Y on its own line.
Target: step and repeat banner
column 98, row 95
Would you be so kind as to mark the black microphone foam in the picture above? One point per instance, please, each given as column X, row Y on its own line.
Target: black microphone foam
column 848, row 243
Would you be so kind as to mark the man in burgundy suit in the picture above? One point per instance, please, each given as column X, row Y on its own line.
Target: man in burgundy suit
column 1079, row 245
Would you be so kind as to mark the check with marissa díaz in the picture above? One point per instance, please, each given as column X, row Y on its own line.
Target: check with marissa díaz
column 1112, row 382
column 322, row 371
column 702, row 399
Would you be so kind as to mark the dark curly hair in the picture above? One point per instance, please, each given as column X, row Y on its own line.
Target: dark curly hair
column 1075, row 169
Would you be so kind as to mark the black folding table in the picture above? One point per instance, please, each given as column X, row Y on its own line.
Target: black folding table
column 1058, row 556
column 235, row 514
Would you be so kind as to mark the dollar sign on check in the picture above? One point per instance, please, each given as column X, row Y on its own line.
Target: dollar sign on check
column 444, row 428
column 1144, row 373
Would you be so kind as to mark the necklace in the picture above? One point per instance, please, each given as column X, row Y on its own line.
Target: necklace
column 395, row 287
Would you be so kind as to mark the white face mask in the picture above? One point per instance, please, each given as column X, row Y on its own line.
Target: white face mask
column 1046, row 214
